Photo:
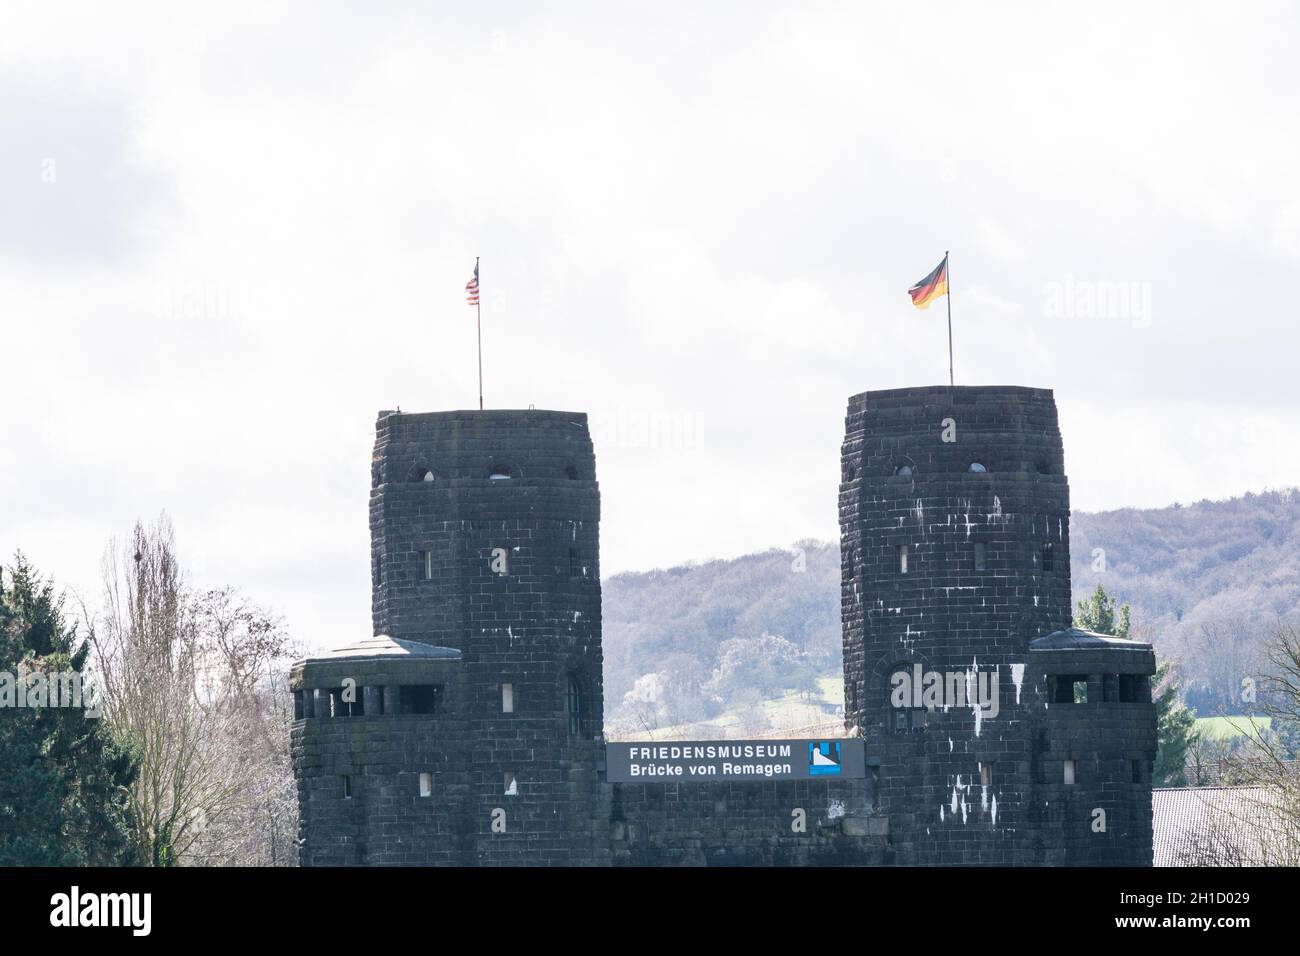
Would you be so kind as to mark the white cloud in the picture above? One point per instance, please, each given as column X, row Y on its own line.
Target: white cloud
column 707, row 215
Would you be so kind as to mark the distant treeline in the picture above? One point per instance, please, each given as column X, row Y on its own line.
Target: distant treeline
column 1205, row 581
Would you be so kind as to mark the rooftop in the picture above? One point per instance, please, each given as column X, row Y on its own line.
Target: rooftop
column 1223, row 826
column 1075, row 638
column 384, row 647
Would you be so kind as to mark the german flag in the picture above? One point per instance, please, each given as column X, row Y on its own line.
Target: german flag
column 931, row 287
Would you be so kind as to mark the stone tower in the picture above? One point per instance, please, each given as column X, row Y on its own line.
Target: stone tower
column 477, row 737
column 954, row 521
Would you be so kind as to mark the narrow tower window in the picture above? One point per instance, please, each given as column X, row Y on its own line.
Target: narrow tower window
column 507, row 698
column 1047, row 558
column 903, row 699
column 575, row 566
column 1069, row 773
column 511, row 785
column 981, row 559
column 426, row 784
column 575, row 705
column 426, row 565
column 347, row 788
column 902, row 559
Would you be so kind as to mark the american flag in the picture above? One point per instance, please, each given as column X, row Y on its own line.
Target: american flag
column 471, row 288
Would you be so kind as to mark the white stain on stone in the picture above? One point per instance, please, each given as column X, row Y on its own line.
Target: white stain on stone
column 835, row 809
column 972, row 695
column 1017, row 678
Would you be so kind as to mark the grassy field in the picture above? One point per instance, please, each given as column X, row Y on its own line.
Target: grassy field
column 1225, row 728
column 790, row 715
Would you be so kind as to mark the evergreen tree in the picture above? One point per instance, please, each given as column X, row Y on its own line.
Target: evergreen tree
column 1175, row 732
column 1100, row 614
column 64, row 792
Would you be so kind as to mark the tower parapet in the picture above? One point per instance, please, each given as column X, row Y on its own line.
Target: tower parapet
column 484, row 553
column 955, row 557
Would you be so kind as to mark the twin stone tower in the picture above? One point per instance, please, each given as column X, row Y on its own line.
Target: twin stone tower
column 469, row 730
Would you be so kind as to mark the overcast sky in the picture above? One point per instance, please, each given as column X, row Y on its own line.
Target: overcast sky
column 231, row 233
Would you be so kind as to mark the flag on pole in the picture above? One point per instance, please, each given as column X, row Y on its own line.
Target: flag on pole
column 471, row 288
column 931, row 287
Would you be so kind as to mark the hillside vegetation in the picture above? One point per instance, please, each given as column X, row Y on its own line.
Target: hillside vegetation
column 752, row 645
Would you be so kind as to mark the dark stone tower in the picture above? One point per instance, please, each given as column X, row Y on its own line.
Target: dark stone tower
column 954, row 521
column 484, row 553
column 467, row 731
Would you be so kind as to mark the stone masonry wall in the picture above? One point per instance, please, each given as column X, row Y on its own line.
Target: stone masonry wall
column 485, row 542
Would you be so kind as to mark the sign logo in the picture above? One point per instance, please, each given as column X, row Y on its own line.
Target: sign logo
column 824, row 758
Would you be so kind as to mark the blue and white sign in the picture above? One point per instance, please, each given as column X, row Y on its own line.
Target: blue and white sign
column 733, row 760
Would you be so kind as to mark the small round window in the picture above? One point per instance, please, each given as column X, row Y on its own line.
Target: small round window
column 977, row 468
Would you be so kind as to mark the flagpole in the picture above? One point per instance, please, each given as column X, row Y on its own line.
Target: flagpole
column 478, row 321
column 947, row 272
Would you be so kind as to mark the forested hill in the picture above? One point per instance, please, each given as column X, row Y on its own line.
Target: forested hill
column 703, row 643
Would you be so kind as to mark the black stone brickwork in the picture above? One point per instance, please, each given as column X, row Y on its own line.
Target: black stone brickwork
column 485, row 572
column 970, row 481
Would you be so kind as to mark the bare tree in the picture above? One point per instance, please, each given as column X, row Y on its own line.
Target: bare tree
column 192, row 680
column 1206, row 760
column 1265, row 764
column 243, row 651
